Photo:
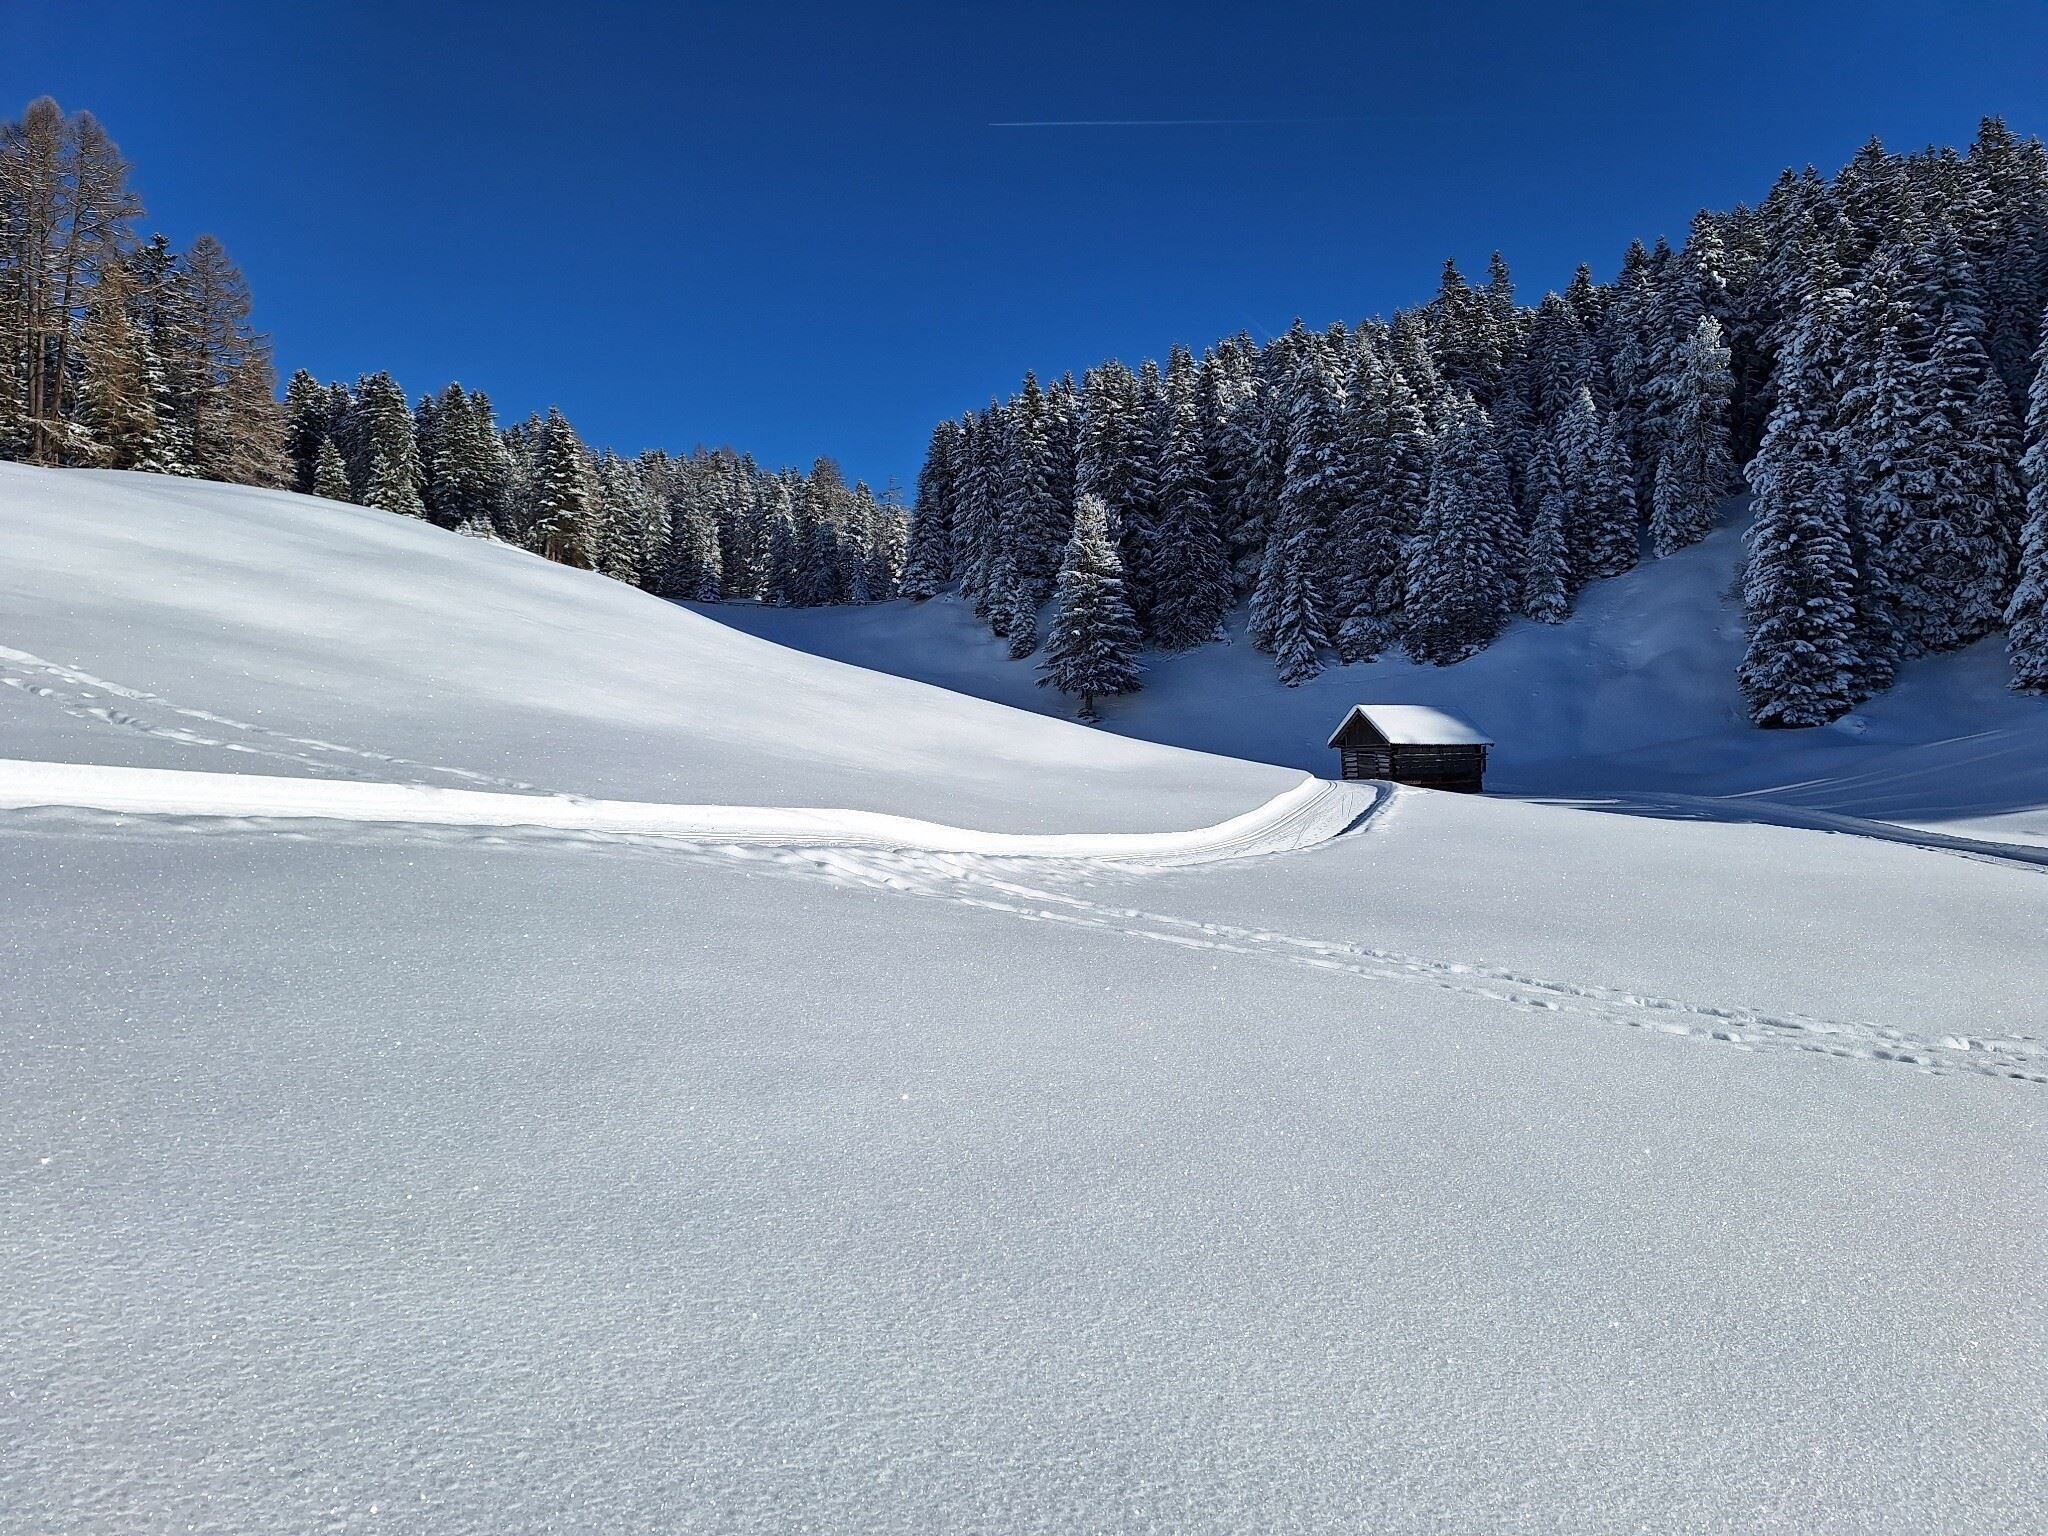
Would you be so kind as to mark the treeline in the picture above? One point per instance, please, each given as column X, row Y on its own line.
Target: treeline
column 1865, row 345
column 119, row 354
column 708, row 526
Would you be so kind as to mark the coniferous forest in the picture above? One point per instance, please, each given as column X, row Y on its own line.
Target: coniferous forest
column 1863, row 354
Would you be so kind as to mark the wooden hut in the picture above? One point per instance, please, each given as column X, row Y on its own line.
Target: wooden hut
column 1412, row 744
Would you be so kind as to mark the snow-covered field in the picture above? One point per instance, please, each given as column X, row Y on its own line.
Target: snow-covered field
column 1415, row 1164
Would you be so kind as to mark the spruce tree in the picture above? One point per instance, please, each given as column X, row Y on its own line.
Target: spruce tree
column 1951, row 557
column 1695, row 470
column 391, row 489
column 1613, row 522
column 694, row 567
column 1296, row 634
column 1092, row 651
column 1192, row 589
column 305, row 427
column 928, row 563
column 380, row 422
column 1546, row 559
column 1462, row 563
column 330, row 475
column 1034, row 525
column 2026, row 614
column 561, row 507
column 1799, row 592
column 1020, row 619
column 1319, row 487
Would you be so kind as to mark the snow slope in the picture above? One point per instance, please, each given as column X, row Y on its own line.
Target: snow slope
column 219, row 627
column 388, row 1150
column 1632, row 702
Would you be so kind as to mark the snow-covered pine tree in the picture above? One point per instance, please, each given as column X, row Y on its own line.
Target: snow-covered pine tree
column 1561, row 360
column 928, row 560
column 1092, row 651
column 1799, row 592
column 1383, row 498
column 1062, row 422
column 330, row 475
column 2026, row 614
column 1192, row 589
column 1295, row 634
column 391, row 489
column 1317, row 492
column 978, row 512
column 1020, row 618
column 305, row 427
column 380, row 422
column 620, row 515
column 1951, row 558
column 779, row 551
column 561, row 494
column 1034, row 524
column 694, row 565
column 1694, row 470
column 1254, row 442
column 1546, row 558
column 1613, row 523
column 1137, row 518
column 1463, row 560
column 1629, row 342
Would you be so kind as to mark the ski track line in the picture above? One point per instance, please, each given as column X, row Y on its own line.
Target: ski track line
column 86, row 697
column 1311, row 812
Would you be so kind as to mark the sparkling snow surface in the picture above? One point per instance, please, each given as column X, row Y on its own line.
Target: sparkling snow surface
column 1484, row 1167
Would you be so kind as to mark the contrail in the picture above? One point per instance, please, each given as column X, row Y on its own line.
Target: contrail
column 1164, row 122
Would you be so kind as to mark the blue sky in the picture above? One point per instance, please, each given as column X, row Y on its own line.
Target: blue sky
column 793, row 228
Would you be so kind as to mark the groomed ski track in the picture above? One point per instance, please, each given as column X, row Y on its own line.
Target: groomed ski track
column 1313, row 812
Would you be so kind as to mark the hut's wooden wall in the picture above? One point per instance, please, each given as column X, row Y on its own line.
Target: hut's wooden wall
column 1458, row 768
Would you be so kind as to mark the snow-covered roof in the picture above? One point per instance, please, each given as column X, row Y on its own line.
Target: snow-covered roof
column 1416, row 725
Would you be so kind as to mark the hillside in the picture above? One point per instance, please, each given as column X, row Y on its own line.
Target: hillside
column 392, row 1145
column 224, row 628
column 1632, row 701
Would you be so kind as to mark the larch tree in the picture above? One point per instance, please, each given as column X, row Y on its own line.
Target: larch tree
column 66, row 213
column 234, row 429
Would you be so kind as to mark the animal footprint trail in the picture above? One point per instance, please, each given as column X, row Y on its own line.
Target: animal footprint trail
column 85, row 697
column 981, row 884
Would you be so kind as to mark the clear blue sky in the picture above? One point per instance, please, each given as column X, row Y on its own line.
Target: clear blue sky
column 793, row 228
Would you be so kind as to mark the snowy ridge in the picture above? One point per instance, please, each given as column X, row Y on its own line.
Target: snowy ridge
column 1312, row 812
